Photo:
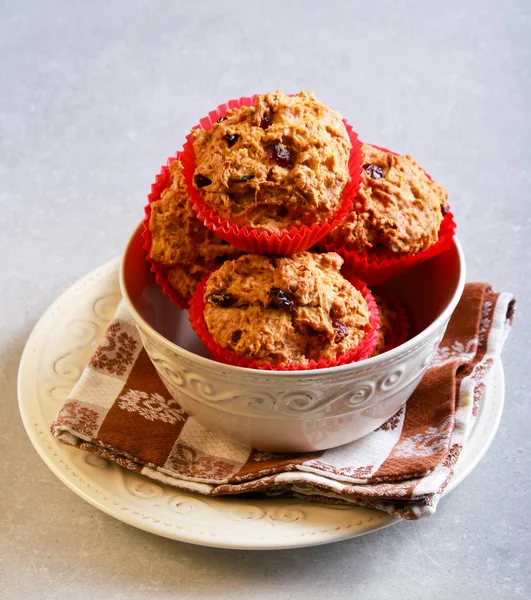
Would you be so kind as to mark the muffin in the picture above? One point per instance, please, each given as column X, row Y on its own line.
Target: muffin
column 180, row 245
column 272, row 166
column 394, row 326
column 289, row 312
column 398, row 208
column 399, row 218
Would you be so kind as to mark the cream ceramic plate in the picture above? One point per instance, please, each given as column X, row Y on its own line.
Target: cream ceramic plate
column 55, row 354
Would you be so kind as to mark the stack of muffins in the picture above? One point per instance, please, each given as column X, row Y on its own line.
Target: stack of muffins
column 271, row 223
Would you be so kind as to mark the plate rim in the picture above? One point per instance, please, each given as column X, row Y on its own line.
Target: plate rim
column 91, row 495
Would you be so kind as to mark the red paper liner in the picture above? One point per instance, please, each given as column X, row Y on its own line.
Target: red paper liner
column 400, row 326
column 162, row 181
column 363, row 350
column 375, row 268
column 256, row 241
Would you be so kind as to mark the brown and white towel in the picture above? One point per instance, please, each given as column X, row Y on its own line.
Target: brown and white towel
column 120, row 410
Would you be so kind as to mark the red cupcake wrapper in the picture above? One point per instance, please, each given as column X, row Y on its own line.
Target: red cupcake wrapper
column 256, row 241
column 363, row 350
column 400, row 326
column 162, row 181
column 375, row 268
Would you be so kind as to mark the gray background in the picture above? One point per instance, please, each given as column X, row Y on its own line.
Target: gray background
column 95, row 96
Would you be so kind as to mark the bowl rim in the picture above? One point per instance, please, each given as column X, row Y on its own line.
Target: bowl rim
column 302, row 373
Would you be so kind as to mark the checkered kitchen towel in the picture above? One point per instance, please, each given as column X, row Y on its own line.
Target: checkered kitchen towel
column 121, row 411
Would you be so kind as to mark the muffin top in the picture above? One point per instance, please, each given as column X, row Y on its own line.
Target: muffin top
column 398, row 207
column 280, row 163
column 180, row 241
column 285, row 310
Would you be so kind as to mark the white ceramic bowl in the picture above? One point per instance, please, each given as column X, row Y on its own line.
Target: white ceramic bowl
column 293, row 411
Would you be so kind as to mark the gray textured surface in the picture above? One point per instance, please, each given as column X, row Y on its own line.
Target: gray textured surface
column 95, row 95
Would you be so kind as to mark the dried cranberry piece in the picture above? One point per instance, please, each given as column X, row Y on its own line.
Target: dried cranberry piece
column 279, row 298
column 265, row 122
column 221, row 119
column 242, row 179
column 201, row 181
column 510, row 310
column 231, row 139
column 280, row 154
column 223, row 300
column 342, row 330
column 374, row 171
column 445, row 209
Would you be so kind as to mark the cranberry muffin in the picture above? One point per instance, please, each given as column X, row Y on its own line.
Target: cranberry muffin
column 285, row 311
column 394, row 327
column 398, row 209
column 279, row 163
column 180, row 242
